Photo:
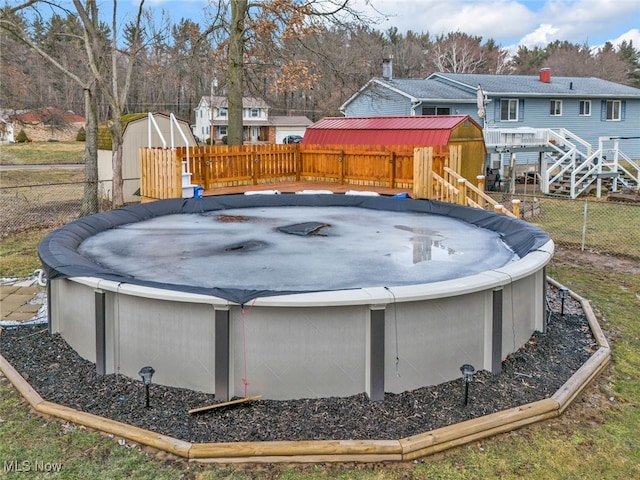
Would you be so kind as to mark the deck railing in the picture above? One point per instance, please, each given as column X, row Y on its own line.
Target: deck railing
column 429, row 172
column 223, row 166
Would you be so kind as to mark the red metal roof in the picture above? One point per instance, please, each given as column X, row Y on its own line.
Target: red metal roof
column 419, row 130
column 42, row 114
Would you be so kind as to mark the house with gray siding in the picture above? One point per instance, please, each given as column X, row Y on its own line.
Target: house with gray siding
column 587, row 106
column 589, row 113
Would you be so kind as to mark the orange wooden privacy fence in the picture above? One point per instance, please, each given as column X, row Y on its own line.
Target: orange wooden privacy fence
column 224, row 166
column 431, row 172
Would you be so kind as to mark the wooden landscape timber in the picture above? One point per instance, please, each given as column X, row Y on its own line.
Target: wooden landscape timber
column 331, row 451
column 225, row 404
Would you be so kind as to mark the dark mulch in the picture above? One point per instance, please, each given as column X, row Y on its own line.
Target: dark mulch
column 533, row 373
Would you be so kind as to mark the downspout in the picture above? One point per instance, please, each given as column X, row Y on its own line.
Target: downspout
column 414, row 105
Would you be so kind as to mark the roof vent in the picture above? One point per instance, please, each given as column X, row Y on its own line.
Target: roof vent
column 545, row 75
column 387, row 68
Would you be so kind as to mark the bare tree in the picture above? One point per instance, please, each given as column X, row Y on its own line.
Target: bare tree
column 249, row 23
column 90, row 197
column 109, row 80
column 458, row 53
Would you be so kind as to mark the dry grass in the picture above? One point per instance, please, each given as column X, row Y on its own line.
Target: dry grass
column 41, row 153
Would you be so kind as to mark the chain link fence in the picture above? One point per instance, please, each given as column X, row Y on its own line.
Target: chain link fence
column 586, row 224
column 39, row 207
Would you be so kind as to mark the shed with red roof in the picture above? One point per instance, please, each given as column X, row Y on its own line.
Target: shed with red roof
column 417, row 131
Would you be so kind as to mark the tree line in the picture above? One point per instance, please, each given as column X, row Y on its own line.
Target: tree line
column 178, row 62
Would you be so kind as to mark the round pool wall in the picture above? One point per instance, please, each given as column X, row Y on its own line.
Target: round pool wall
column 295, row 343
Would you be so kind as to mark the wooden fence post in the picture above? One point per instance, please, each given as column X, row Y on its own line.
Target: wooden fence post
column 462, row 191
column 297, row 156
column 422, row 172
column 515, row 204
column 480, row 182
column 392, row 166
column 254, row 167
column 341, row 167
column 497, row 208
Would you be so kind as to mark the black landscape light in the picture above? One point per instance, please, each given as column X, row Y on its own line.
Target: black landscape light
column 563, row 297
column 146, row 373
column 468, row 371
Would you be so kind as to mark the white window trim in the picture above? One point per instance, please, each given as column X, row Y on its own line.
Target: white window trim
column 585, row 102
column 508, row 109
column 619, row 118
column 556, row 112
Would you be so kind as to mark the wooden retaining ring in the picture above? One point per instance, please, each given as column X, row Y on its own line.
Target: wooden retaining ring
column 20, row 384
column 312, row 451
column 465, row 432
column 301, row 451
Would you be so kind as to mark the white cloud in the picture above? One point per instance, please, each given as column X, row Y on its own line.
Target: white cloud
column 542, row 36
column 632, row 35
column 513, row 22
column 488, row 19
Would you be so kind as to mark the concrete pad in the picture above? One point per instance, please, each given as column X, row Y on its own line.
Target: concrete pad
column 6, row 290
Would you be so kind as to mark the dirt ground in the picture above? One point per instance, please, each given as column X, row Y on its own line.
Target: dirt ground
column 597, row 260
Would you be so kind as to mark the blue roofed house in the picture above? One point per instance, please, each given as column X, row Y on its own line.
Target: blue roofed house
column 575, row 133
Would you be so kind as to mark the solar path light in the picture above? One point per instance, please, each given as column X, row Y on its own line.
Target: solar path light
column 563, row 297
column 146, row 373
column 467, row 374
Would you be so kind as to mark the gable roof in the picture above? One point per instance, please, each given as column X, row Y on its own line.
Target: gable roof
column 418, row 130
column 144, row 117
column 289, row 121
column 532, row 86
column 41, row 115
column 220, row 101
column 462, row 87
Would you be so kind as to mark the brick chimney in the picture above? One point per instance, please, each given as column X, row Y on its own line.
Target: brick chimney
column 545, row 75
column 387, row 68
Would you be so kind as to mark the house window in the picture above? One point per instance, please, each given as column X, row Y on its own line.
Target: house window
column 509, row 110
column 255, row 113
column 222, row 131
column 613, row 110
column 436, row 111
column 555, row 108
column 222, row 112
column 585, row 108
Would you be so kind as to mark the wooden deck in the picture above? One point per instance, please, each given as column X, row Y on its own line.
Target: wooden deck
column 293, row 187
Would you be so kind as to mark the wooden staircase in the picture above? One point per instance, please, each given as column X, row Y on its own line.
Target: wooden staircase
column 570, row 166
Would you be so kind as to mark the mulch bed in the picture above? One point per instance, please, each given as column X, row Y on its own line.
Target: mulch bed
column 533, row 373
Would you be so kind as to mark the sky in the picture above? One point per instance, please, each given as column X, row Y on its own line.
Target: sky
column 509, row 22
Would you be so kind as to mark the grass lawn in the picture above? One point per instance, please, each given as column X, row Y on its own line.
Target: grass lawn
column 41, row 153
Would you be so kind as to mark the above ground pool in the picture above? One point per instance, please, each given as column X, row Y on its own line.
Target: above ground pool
column 296, row 296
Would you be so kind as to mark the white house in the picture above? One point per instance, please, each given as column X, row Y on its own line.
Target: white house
column 6, row 131
column 212, row 114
